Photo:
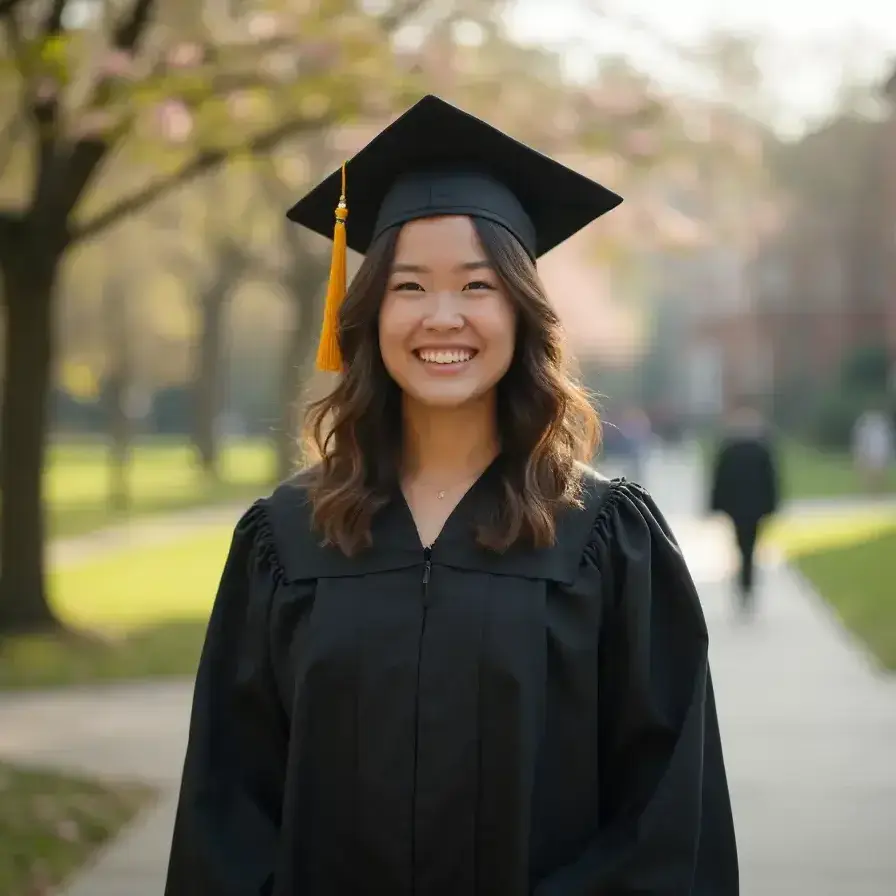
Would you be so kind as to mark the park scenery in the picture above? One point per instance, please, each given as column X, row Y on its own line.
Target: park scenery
column 160, row 316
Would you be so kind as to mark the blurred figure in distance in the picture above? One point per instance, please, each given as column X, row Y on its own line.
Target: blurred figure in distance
column 745, row 488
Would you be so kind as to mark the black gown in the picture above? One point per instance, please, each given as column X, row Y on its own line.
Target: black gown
column 455, row 722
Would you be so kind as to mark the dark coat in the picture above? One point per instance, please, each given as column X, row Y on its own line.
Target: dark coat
column 745, row 479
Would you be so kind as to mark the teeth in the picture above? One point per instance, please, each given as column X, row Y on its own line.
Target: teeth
column 453, row 356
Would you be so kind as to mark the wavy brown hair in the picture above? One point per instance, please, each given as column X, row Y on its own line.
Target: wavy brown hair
column 547, row 424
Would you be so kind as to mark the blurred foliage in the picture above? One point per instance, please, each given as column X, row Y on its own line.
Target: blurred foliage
column 861, row 385
column 833, row 415
column 866, row 367
column 225, row 112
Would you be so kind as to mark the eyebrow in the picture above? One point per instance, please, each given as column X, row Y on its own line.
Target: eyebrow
column 421, row 269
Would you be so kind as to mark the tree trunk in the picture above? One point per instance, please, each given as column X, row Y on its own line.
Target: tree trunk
column 29, row 283
column 118, row 416
column 208, row 381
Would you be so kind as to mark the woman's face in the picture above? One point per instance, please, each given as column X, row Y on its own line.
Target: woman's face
column 446, row 326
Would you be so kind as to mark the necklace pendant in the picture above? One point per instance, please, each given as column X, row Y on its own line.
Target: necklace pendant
column 441, row 495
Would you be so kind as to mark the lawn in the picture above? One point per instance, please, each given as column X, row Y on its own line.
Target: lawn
column 149, row 604
column 163, row 477
column 851, row 561
column 808, row 472
column 50, row 824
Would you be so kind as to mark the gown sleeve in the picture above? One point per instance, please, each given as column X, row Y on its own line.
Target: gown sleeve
column 227, row 820
column 665, row 826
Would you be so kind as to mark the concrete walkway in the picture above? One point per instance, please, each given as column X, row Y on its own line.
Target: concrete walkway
column 140, row 532
column 808, row 724
column 129, row 732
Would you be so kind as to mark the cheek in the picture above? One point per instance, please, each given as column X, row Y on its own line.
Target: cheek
column 498, row 326
column 395, row 325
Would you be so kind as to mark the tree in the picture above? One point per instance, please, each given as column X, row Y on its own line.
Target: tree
column 119, row 385
column 140, row 79
column 303, row 276
column 227, row 241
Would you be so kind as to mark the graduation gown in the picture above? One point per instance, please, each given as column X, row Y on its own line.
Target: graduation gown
column 450, row 721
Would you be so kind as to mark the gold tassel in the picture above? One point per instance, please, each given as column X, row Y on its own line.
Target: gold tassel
column 329, row 357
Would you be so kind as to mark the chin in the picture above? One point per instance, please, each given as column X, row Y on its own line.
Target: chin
column 445, row 397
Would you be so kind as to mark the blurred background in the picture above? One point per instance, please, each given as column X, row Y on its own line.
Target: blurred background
column 160, row 315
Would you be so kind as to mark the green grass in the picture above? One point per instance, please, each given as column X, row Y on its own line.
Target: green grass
column 150, row 606
column 50, row 824
column 808, row 472
column 163, row 477
column 850, row 559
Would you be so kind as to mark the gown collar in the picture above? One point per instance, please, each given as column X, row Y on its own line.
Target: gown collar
column 397, row 545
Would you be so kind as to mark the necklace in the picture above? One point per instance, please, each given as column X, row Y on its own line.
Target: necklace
column 440, row 495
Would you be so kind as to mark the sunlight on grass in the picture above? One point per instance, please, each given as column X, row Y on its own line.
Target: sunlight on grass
column 814, row 533
column 162, row 476
column 79, row 473
column 858, row 579
column 151, row 605
column 141, row 586
column 850, row 559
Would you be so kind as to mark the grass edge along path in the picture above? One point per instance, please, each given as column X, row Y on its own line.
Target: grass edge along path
column 850, row 560
column 148, row 607
column 53, row 823
column 162, row 478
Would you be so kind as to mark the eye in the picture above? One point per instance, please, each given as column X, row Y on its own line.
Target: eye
column 478, row 285
column 408, row 285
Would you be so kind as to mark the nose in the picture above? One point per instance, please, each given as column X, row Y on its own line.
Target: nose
column 444, row 315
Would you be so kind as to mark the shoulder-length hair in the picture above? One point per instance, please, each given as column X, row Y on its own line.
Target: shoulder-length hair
column 547, row 424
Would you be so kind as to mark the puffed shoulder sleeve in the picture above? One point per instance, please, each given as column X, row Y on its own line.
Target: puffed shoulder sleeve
column 666, row 825
column 226, row 826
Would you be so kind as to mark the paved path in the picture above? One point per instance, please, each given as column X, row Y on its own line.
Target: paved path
column 808, row 726
column 140, row 532
column 135, row 732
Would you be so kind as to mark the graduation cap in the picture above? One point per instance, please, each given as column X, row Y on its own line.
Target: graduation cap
column 436, row 159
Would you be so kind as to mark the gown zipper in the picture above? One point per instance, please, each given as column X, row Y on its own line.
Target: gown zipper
column 424, row 595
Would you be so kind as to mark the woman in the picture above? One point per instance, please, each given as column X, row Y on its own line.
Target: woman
column 450, row 659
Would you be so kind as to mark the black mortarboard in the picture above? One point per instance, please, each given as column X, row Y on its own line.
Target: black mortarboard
column 433, row 160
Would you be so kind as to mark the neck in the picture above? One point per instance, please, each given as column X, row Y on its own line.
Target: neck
column 446, row 444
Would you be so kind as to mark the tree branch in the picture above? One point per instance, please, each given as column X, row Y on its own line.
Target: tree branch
column 53, row 25
column 393, row 20
column 129, row 31
column 73, row 174
column 88, row 153
column 201, row 163
column 39, row 100
column 8, row 6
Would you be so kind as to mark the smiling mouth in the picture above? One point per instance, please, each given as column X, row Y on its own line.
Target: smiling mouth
column 445, row 357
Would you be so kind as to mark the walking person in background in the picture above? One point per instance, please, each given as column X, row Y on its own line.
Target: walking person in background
column 745, row 488
column 873, row 449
